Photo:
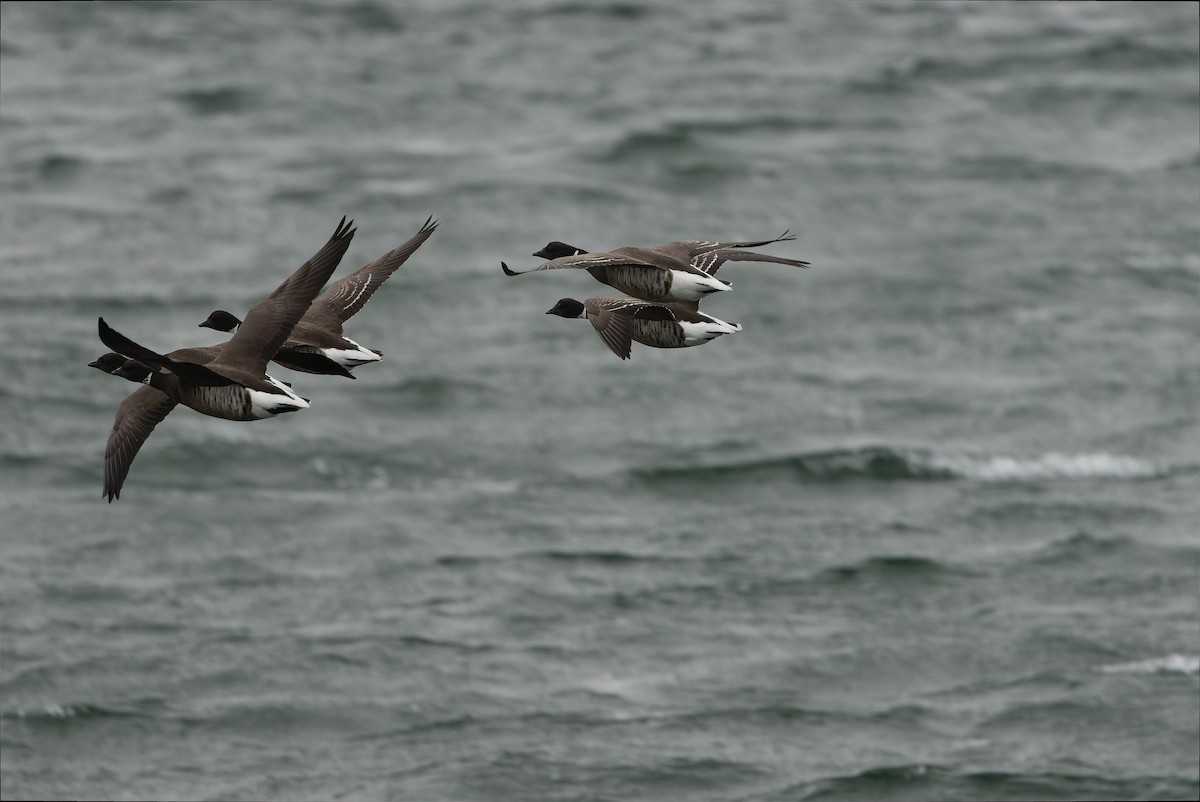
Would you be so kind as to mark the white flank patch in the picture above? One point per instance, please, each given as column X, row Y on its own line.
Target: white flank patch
column 696, row 333
column 268, row 405
column 693, row 287
column 350, row 357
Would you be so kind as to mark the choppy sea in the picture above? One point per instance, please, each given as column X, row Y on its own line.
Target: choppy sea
column 927, row 528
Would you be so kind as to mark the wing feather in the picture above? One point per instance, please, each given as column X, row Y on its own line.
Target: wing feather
column 271, row 320
column 346, row 297
column 136, row 418
column 583, row 261
column 708, row 256
column 612, row 318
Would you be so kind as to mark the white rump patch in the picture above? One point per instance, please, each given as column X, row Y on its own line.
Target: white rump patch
column 351, row 357
column 268, row 405
column 693, row 287
column 697, row 333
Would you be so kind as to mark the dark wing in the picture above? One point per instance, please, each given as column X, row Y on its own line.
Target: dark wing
column 699, row 247
column 187, row 371
column 708, row 256
column 663, row 311
column 344, row 298
column 271, row 320
column 200, row 355
column 582, row 261
column 711, row 262
column 136, row 418
column 612, row 318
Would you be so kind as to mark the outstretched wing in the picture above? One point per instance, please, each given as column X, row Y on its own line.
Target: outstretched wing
column 344, row 298
column 136, row 418
column 612, row 318
column 271, row 320
column 708, row 256
column 582, row 261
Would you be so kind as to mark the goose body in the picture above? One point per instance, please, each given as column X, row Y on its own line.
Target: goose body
column 317, row 343
column 622, row 321
column 706, row 256
column 642, row 273
column 231, row 401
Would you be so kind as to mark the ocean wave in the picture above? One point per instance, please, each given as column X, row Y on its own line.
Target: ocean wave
column 1077, row 548
column 602, row 557
column 675, row 136
column 217, row 100
column 1012, row 167
column 892, row 568
column 934, row 781
column 883, row 463
column 869, row 782
column 1171, row 664
column 1115, row 54
column 61, row 713
column 427, row 391
column 618, row 10
column 1052, row 465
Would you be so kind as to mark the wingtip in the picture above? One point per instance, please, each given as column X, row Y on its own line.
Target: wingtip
column 507, row 271
column 345, row 229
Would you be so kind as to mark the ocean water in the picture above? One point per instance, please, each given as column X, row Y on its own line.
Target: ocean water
column 928, row 528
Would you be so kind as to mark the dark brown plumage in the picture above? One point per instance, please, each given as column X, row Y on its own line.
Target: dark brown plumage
column 640, row 272
column 704, row 255
column 226, row 381
column 317, row 343
column 621, row 321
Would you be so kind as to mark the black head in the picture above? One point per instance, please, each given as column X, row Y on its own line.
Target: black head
column 557, row 250
column 134, row 371
column 221, row 321
column 108, row 363
column 567, row 307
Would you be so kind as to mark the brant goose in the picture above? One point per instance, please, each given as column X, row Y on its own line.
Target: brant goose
column 316, row 344
column 703, row 255
column 641, row 272
column 619, row 321
column 227, row 381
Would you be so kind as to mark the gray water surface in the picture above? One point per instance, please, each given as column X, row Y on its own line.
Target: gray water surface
column 925, row 529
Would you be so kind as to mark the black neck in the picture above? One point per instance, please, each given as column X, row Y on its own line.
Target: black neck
column 167, row 384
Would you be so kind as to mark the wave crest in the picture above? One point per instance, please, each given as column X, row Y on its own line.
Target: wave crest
column 1171, row 664
column 882, row 463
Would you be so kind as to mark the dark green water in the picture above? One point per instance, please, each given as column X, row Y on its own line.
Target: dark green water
column 925, row 529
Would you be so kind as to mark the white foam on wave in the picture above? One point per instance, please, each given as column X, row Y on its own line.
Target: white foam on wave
column 1162, row 260
column 1099, row 465
column 1171, row 664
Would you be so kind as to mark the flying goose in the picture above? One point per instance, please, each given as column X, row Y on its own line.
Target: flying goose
column 641, row 272
column 704, row 255
column 317, row 344
column 229, row 381
column 619, row 321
